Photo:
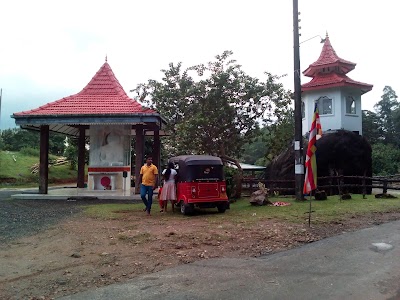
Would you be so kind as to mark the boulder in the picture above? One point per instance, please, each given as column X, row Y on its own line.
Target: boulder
column 260, row 197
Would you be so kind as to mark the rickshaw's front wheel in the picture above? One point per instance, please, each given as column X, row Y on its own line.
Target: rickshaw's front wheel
column 187, row 209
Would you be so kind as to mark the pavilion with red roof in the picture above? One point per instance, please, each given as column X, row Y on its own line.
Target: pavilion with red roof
column 103, row 112
column 338, row 96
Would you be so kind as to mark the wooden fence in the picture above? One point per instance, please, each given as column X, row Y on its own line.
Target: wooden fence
column 332, row 184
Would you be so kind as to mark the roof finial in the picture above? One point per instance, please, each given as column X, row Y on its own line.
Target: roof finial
column 106, row 57
column 327, row 35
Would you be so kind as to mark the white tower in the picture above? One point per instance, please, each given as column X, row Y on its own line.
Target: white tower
column 338, row 96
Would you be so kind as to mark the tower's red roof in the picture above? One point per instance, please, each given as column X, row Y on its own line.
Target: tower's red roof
column 330, row 71
column 334, row 80
column 102, row 95
column 329, row 58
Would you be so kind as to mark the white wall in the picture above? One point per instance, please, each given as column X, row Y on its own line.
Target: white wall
column 332, row 121
column 338, row 119
column 352, row 122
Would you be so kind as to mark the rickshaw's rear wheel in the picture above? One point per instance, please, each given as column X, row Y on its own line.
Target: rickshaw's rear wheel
column 221, row 208
column 187, row 209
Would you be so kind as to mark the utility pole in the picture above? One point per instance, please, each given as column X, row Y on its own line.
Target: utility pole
column 298, row 139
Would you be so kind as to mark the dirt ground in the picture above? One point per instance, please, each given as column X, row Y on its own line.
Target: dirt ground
column 76, row 253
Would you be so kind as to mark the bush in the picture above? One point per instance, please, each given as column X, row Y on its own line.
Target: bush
column 28, row 151
column 385, row 159
column 71, row 153
column 230, row 174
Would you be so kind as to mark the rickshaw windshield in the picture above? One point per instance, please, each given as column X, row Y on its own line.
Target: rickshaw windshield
column 205, row 173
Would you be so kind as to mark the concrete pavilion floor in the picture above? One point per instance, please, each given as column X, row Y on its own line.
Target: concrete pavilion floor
column 73, row 193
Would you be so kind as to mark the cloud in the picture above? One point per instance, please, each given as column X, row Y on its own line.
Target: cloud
column 56, row 47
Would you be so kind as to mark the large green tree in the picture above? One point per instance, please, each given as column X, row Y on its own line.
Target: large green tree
column 370, row 127
column 255, row 151
column 57, row 143
column 71, row 152
column 280, row 133
column 396, row 119
column 213, row 108
column 16, row 139
column 275, row 137
column 382, row 128
column 386, row 109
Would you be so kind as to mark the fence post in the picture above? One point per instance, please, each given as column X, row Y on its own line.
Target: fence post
column 364, row 188
column 385, row 186
column 340, row 186
column 251, row 186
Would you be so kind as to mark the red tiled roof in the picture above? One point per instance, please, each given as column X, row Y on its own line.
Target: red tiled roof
column 102, row 95
column 334, row 80
column 329, row 58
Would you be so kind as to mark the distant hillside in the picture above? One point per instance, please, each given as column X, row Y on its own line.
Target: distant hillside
column 16, row 169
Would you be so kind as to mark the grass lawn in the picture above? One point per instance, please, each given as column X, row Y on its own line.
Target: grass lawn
column 242, row 212
column 15, row 170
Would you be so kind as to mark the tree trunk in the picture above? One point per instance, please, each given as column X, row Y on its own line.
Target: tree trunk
column 239, row 178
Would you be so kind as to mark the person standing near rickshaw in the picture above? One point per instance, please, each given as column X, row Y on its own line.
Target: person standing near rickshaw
column 168, row 192
column 148, row 179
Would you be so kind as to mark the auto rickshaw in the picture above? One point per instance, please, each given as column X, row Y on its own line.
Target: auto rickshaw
column 200, row 183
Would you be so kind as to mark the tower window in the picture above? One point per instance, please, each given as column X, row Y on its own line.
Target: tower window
column 325, row 106
column 350, row 105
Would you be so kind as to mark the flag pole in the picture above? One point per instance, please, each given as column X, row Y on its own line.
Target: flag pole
column 309, row 212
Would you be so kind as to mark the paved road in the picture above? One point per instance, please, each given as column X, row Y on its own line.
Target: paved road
column 358, row 265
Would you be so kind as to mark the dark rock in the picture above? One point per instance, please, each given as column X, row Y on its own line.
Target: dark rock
column 320, row 195
column 385, row 196
column 346, row 197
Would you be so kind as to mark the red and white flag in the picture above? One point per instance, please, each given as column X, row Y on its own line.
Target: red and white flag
column 310, row 181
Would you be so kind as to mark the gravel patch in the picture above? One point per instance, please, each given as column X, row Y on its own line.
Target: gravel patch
column 20, row 218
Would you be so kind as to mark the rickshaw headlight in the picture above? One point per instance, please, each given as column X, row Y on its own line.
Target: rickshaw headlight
column 223, row 189
column 193, row 189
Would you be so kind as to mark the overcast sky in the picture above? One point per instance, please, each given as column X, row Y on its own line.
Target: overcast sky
column 51, row 49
